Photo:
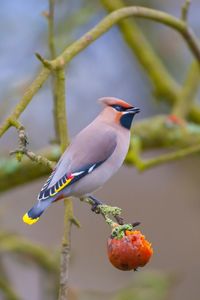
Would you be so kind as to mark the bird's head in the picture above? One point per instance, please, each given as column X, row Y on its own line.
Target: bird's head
column 119, row 111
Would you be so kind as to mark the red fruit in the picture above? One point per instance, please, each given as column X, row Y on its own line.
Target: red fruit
column 129, row 252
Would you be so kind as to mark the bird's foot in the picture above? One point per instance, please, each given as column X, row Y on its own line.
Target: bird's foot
column 95, row 205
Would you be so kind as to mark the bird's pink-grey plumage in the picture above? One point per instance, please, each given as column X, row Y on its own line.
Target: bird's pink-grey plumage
column 93, row 156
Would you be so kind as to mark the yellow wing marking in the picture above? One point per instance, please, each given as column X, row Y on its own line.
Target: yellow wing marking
column 62, row 186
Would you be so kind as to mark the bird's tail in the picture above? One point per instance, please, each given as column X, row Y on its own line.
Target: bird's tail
column 33, row 215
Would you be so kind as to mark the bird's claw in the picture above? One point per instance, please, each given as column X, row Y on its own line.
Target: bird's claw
column 95, row 205
column 95, row 208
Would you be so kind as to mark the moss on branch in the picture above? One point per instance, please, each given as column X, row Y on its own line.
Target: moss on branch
column 161, row 132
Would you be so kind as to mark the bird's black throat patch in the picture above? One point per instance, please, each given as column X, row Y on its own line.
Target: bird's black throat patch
column 126, row 120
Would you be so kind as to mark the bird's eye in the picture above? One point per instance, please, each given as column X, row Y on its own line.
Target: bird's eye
column 118, row 107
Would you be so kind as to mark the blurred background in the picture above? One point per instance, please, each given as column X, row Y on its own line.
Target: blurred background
column 164, row 199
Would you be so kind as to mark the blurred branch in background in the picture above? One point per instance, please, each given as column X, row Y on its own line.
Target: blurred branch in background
column 164, row 85
column 7, row 291
column 13, row 245
column 148, row 285
column 52, row 51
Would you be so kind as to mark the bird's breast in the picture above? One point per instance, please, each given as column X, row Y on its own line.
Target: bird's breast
column 100, row 175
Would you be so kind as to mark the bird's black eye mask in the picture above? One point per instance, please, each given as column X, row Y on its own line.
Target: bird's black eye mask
column 120, row 108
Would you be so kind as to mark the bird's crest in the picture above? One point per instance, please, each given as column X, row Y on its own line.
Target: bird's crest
column 109, row 101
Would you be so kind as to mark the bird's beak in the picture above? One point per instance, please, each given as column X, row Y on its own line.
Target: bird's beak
column 133, row 110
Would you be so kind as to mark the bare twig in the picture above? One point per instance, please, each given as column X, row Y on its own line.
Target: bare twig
column 185, row 9
column 51, row 25
column 22, row 149
column 164, row 86
column 46, row 63
column 7, row 290
column 12, row 243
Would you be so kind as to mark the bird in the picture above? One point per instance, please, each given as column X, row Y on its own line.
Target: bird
column 92, row 157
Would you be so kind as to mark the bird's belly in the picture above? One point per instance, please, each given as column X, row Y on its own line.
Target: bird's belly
column 99, row 176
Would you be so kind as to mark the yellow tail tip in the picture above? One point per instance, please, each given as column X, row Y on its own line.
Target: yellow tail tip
column 29, row 220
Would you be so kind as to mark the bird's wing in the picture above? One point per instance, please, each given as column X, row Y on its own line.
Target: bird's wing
column 82, row 157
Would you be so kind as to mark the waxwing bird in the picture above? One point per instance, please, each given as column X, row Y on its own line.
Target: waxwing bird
column 93, row 156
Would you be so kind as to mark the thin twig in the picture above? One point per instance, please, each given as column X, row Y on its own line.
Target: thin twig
column 52, row 50
column 185, row 10
column 22, row 148
column 51, row 27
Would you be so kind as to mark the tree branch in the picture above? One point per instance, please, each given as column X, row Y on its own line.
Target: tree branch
column 22, row 149
column 8, row 292
column 117, row 16
column 186, row 97
column 142, row 165
column 185, row 9
column 52, row 50
column 13, row 173
column 68, row 216
column 12, row 243
column 163, row 84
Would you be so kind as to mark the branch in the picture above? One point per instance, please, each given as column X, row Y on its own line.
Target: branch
column 22, row 149
column 164, row 85
column 68, row 216
column 7, row 290
column 52, row 50
column 11, row 243
column 185, row 9
column 51, row 39
column 61, row 108
column 182, row 135
column 142, row 165
column 187, row 94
